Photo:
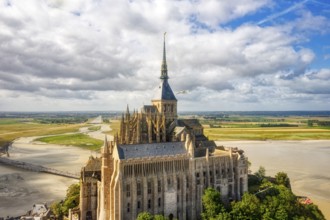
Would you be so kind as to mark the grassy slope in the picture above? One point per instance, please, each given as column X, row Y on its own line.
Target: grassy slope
column 79, row 140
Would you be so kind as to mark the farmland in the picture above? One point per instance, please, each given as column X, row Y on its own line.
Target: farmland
column 266, row 128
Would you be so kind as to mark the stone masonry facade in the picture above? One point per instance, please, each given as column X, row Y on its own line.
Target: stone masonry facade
column 160, row 164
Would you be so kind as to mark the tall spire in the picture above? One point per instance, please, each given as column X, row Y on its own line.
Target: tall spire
column 164, row 65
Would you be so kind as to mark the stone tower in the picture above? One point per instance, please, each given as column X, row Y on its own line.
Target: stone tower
column 165, row 100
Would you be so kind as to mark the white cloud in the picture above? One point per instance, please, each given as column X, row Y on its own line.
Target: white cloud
column 104, row 54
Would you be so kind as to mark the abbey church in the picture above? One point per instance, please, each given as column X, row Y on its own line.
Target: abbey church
column 159, row 163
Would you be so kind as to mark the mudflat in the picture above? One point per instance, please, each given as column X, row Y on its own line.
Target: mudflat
column 20, row 189
column 306, row 163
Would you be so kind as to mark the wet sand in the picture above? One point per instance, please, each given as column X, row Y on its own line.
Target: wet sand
column 20, row 189
column 97, row 134
column 306, row 163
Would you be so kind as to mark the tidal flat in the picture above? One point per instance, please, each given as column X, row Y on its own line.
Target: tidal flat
column 306, row 163
column 20, row 189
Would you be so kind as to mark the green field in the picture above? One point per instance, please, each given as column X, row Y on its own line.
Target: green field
column 10, row 129
column 266, row 128
column 229, row 128
column 79, row 140
column 277, row 133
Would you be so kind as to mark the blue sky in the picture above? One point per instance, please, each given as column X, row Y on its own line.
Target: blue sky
column 244, row 55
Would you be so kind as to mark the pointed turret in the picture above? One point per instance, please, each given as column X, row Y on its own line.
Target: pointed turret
column 122, row 129
column 127, row 110
column 128, row 115
column 106, row 146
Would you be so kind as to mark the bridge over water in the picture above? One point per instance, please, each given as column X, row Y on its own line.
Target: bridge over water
column 36, row 168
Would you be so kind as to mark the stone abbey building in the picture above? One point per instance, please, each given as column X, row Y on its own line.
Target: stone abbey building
column 160, row 164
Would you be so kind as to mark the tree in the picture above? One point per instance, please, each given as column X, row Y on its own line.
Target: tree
column 160, row 217
column 72, row 198
column 248, row 208
column 144, row 216
column 211, row 203
column 261, row 173
column 282, row 179
column 71, row 201
column 223, row 216
column 56, row 208
column 273, row 202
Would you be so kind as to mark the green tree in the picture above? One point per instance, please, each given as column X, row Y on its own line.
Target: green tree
column 282, row 179
column 261, row 173
column 144, row 216
column 223, row 216
column 71, row 201
column 56, row 208
column 160, row 217
column 247, row 208
column 281, row 213
column 271, row 202
column 313, row 212
column 72, row 198
column 211, row 203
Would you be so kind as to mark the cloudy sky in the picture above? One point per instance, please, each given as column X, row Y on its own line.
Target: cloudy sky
column 103, row 54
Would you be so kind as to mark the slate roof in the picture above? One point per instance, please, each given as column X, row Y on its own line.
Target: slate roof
column 206, row 143
column 164, row 91
column 190, row 123
column 201, row 138
column 151, row 150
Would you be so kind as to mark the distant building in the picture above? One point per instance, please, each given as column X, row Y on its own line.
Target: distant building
column 38, row 212
column 160, row 164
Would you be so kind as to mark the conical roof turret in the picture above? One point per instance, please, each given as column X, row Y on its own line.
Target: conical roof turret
column 164, row 91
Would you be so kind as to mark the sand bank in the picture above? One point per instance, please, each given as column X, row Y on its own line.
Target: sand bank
column 306, row 163
column 20, row 189
column 97, row 134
